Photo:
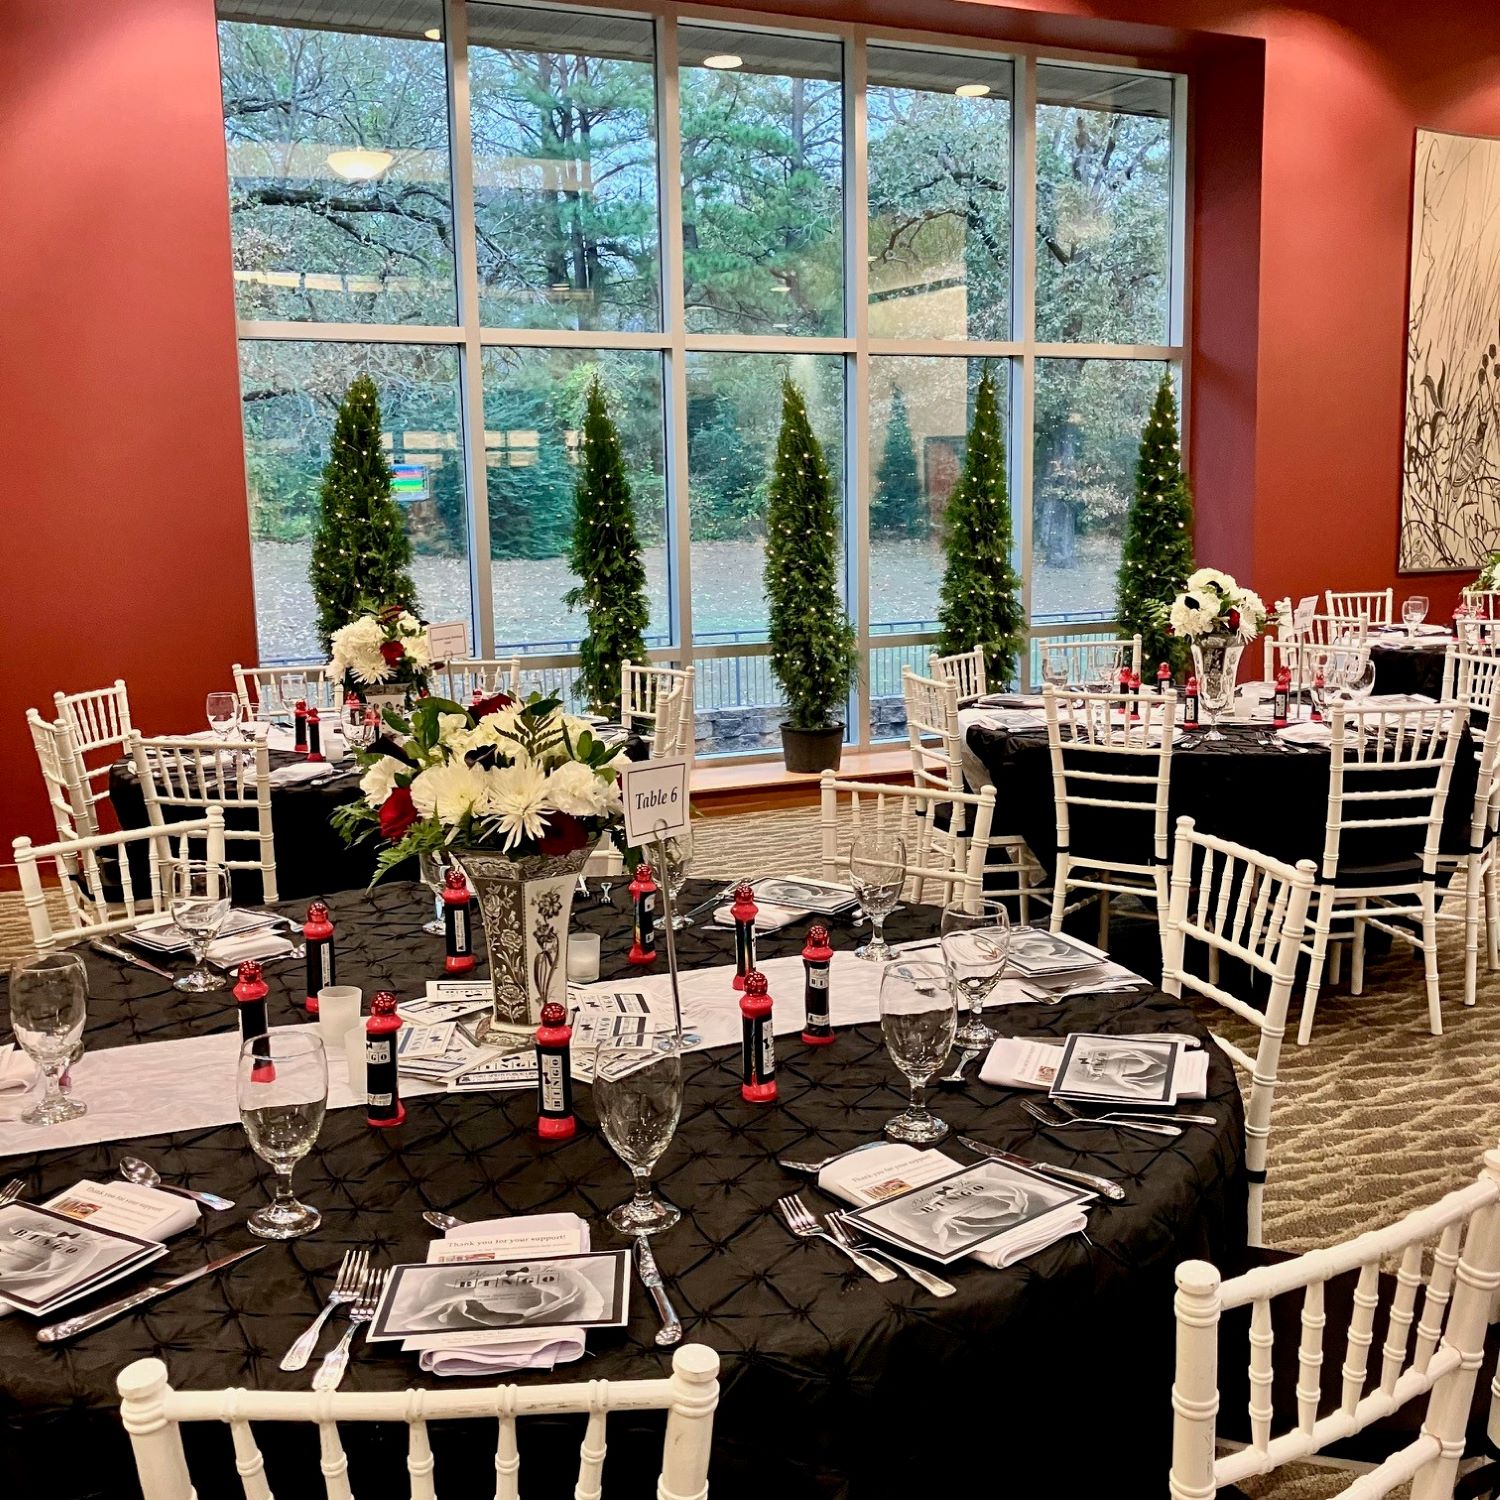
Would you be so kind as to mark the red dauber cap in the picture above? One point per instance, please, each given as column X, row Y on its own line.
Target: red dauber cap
column 317, row 911
column 817, row 936
column 456, row 880
column 643, row 871
column 250, row 972
column 554, row 1014
column 743, row 892
column 384, row 1003
column 756, row 983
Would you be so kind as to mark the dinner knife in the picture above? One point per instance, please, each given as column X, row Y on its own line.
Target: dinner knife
column 54, row 1333
column 1101, row 1185
column 645, row 1263
column 111, row 951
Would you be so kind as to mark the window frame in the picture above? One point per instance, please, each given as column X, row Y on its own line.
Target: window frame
column 674, row 343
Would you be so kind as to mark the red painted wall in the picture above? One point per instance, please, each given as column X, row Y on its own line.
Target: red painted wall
column 125, row 540
column 123, row 545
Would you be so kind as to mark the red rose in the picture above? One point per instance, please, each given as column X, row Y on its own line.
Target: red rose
column 1234, row 619
column 397, row 813
column 564, row 834
column 491, row 705
column 392, row 651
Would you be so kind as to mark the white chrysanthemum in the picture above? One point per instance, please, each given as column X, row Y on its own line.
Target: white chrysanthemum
column 1252, row 610
column 1191, row 618
column 516, row 797
column 452, row 727
column 1211, row 577
column 414, row 638
column 380, row 780
column 448, row 792
column 356, row 651
column 492, row 730
column 574, row 788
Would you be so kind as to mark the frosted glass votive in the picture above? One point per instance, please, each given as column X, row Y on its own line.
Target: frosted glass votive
column 354, row 1055
column 338, row 1010
column 583, row 957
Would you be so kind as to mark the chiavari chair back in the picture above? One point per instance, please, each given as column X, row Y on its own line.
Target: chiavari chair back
column 97, row 723
column 154, row 1413
column 464, row 677
column 1078, row 657
column 964, row 669
column 1235, row 903
column 1431, row 1352
column 1378, row 606
column 676, row 722
column 641, row 686
column 67, row 793
column 265, row 692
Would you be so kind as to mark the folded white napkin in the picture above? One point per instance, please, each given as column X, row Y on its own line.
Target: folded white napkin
column 1429, row 630
column 258, row 945
column 1306, row 732
column 17, row 1071
column 884, row 1162
column 305, row 770
column 525, row 1351
column 1012, row 1064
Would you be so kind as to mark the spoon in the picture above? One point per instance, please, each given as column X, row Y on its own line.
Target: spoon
column 143, row 1174
column 444, row 1222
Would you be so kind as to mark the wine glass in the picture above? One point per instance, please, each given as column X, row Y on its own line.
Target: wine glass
column 47, row 1009
column 223, row 710
column 199, row 903
column 877, row 870
column 679, row 855
column 638, row 1094
column 918, row 1019
column 282, row 1090
column 1414, row 611
column 1055, row 666
column 433, row 866
column 1356, row 674
column 975, row 940
column 1316, row 663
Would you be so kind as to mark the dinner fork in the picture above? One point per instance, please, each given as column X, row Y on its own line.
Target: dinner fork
column 346, row 1286
column 1132, row 1116
column 1053, row 1122
column 842, row 1231
column 361, row 1310
column 802, row 1224
column 12, row 1190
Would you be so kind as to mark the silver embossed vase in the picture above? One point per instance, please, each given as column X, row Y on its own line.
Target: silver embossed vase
column 524, row 907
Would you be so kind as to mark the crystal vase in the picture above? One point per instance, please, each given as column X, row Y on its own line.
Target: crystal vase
column 524, row 907
column 1216, row 664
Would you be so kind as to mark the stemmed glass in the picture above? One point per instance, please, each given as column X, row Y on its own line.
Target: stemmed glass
column 638, row 1094
column 1055, row 666
column 679, row 852
column 282, row 1090
column 433, row 866
column 1316, row 663
column 1101, row 668
column 47, row 1009
column 1414, row 611
column 974, row 943
column 918, row 1019
column 199, row 903
column 290, row 687
column 223, row 710
column 877, row 871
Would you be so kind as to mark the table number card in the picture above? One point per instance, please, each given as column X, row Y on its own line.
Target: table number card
column 655, row 793
column 448, row 642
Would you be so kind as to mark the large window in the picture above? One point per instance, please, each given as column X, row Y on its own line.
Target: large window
column 488, row 206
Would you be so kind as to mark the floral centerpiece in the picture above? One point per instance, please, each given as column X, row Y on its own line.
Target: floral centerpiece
column 1219, row 619
column 383, row 655
column 516, row 795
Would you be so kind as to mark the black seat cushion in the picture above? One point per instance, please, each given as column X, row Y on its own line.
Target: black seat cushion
column 1394, row 872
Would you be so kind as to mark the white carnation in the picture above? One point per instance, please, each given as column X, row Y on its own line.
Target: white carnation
column 449, row 792
column 516, row 796
column 356, row 651
column 574, row 788
column 380, row 780
column 1211, row 577
column 1190, row 617
column 1252, row 610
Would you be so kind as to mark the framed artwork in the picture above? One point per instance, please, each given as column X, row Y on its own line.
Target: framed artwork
column 1450, row 488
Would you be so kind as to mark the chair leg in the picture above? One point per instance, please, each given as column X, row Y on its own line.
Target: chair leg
column 1429, row 958
column 1492, row 914
column 1059, row 893
column 1357, row 952
column 1472, row 893
column 1336, row 961
column 1314, row 976
column 1104, row 920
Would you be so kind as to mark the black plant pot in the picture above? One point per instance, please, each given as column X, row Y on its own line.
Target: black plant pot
column 812, row 750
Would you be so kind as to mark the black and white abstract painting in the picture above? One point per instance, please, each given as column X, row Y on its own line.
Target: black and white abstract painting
column 1450, row 500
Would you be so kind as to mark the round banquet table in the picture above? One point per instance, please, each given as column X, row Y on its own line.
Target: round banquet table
column 832, row 1385
column 1269, row 797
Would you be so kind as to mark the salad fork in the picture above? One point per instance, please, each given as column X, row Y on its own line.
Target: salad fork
column 361, row 1310
column 346, row 1287
column 844, row 1232
column 11, row 1191
column 1062, row 1121
column 1132, row 1116
column 802, row 1224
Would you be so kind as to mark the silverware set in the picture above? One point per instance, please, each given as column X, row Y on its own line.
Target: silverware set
column 878, row 1264
column 1058, row 1114
column 1104, row 1186
column 361, row 1310
column 353, row 1270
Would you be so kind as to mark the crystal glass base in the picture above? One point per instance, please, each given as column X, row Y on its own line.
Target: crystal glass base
column 680, row 923
column 283, row 1221
column 650, row 1217
column 200, row 982
column 973, row 1033
column 876, row 951
column 916, row 1127
column 54, row 1111
column 434, row 927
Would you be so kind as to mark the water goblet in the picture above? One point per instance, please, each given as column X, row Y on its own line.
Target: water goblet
column 1413, row 612
column 1317, row 662
column 877, row 871
column 974, row 940
column 638, row 1094
column 282, row 1092
column 198, row 903
column 47, row 1010
column 1055, row 662
column 918, row 1019
column 433, row 867
column 223, row 710
column 1101, row 668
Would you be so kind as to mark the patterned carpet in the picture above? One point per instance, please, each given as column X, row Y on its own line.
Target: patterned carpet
column 1375, row 1118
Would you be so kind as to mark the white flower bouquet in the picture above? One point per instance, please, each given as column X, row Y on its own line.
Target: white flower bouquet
column 384, row 648
column 516, row 778
column 1214, row 604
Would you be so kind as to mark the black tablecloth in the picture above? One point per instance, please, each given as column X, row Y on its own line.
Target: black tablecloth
column 1266, row 796
column 1408, row 669
column 832, row 1385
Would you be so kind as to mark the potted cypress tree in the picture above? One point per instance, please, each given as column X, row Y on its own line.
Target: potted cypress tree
column 812, row 642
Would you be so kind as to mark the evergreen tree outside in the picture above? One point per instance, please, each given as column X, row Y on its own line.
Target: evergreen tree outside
column 980, row 603
column 812, row 643
column 606, row 556
column 896, row 506
column 1157, row 554
column 361, row 552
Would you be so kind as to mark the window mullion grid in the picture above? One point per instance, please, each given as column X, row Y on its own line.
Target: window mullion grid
column 857, row 471
column 674, row 315
column 1023, row 329
column 471, row 384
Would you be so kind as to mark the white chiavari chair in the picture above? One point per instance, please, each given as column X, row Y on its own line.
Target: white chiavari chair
column 1242, row 905
column 871, row 807
column 1106, row 762
column 67, row 795
column 964, row 669
column 85, row 869
column 1289, row 648
column 673, row 718
column 153, row 1414
column 1078, row 654
column 1340, row 1399
column 1376, row 605
column 1389, row 771
column 462, row 678
column 641, row 685
column 97, row 723
column 1482, row 604
column 1472, row 676
column 264, row 691
column 181, row 776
